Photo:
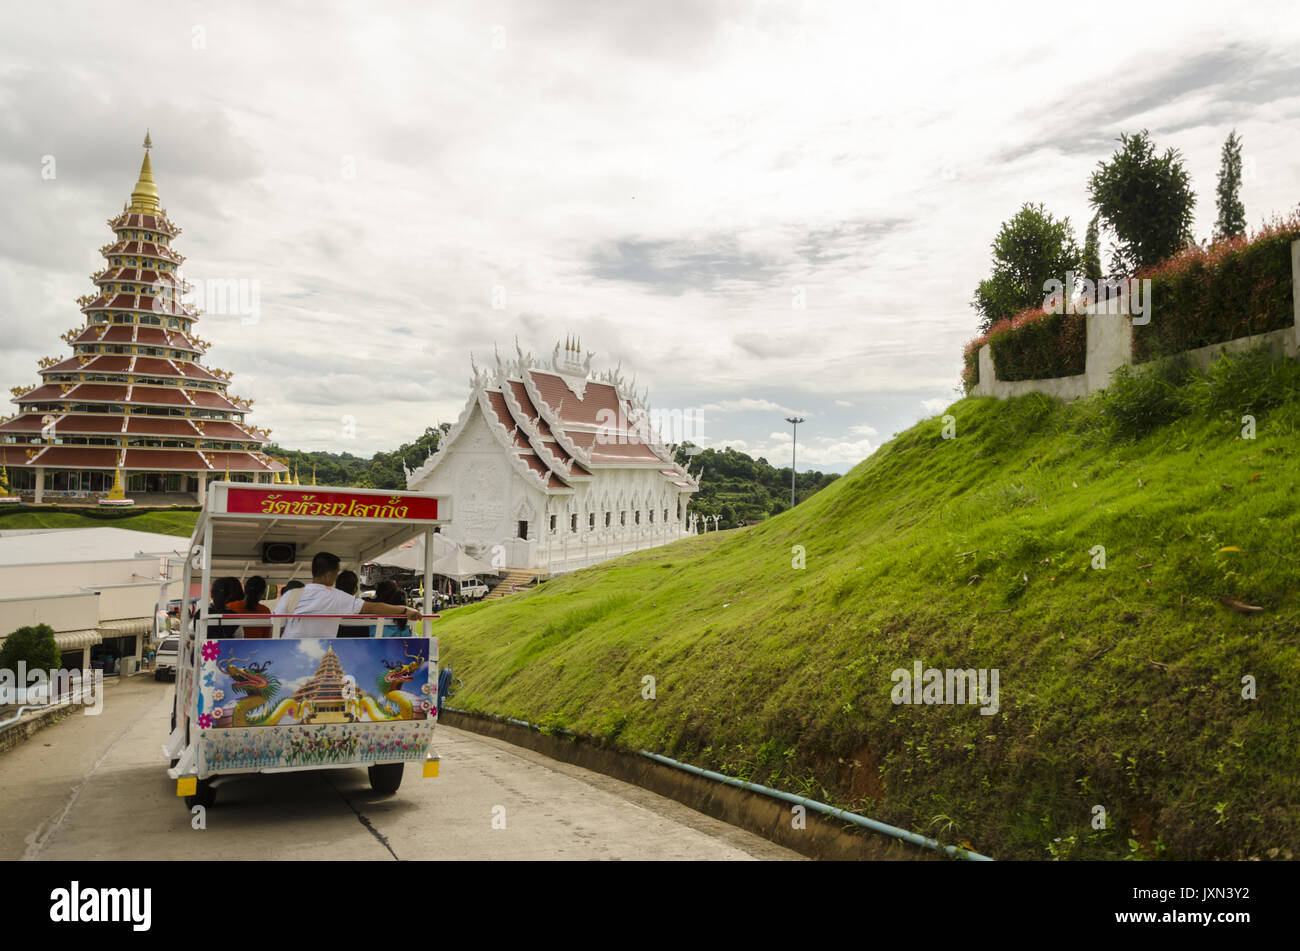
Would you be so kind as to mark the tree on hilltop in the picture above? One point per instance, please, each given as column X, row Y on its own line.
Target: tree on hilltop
column 1146, row 199
column 1030, row 249
column 1231, row 222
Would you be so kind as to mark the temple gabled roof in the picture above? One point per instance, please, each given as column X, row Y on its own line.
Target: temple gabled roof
column 561, row 425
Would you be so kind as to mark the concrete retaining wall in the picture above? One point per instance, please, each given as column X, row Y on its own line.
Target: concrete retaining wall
column 823, row 838
column 1110, row 346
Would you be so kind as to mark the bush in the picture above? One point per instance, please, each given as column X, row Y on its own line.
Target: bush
column 1235, row 288
column 1139, row 401
column 1249, row 382
column 32, row 645
column 970, row 373
column 1037, row 346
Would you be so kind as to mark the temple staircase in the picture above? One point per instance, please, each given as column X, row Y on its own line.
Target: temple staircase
column 515, row 580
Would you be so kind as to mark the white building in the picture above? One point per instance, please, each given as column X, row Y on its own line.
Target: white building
column 93, row 586
column 552, row 469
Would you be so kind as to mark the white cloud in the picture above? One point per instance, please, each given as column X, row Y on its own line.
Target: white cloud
column 312, row 647
column 933, row 406
column 718, row 195
column 864, row 430
column 746, row 405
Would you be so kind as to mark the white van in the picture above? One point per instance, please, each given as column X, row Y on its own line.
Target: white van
column 165, row 658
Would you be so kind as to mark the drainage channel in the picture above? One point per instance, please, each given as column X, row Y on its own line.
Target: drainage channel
column 831, row 812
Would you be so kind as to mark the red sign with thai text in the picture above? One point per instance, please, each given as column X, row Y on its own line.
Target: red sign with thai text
column 330, row 504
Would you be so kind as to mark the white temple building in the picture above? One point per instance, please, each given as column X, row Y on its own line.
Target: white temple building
column 550, row 468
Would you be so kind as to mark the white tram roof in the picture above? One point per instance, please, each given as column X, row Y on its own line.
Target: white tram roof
column 355, row 524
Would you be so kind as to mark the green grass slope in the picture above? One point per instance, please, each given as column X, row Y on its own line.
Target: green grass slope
column 162, row 521
column 1120, row 688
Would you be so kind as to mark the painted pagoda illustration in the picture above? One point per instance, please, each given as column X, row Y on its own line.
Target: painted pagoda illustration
column 325, row 691
column 133, row 410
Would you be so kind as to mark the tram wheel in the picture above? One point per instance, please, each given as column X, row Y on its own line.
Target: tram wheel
column 386, row 777
column 205, row 795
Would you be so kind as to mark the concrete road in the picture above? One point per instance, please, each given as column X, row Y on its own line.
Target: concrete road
column 95, row 787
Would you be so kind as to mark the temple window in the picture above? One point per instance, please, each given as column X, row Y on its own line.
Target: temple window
column 573, row 522
column 591, row 521
column 552, row 523
column 608, row 516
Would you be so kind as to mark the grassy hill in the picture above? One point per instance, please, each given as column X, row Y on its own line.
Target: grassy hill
column 1119, row 687
column 161, row 521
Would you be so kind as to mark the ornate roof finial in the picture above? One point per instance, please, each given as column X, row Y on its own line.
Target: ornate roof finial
column 144, row 197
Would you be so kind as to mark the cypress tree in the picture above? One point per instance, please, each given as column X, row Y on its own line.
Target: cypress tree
column 1232, row 213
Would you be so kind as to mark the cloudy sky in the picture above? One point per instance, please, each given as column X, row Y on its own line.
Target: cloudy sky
column 757, row 208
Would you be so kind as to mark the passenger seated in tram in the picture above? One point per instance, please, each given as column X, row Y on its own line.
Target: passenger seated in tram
column 251, row 603
column 348, row 583
column 389, row 593
column 313, row 605
column 224, row 591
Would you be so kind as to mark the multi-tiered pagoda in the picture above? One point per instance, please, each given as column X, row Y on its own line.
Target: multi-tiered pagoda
column 133, row 407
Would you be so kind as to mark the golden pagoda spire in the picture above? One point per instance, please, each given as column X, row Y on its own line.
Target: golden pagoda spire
column 295, row 475
column 116, row 493
column 313, row 473
column 145, row 196
column 4, row 481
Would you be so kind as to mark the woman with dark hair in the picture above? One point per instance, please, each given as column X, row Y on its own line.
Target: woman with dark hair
column 389, row 593
column 224, row 591
column 251, row 603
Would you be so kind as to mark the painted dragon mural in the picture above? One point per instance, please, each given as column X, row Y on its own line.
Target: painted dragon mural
column 260, row 686
column 394, row 703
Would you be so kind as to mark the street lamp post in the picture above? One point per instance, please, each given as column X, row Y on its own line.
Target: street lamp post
column 794, row 421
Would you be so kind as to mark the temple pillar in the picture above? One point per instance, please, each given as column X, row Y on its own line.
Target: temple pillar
column 40, row 484
column 203, row 487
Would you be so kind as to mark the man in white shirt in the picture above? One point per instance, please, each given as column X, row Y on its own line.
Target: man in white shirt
column 322, row 598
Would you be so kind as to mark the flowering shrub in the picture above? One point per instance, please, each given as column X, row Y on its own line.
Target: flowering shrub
column 1232, row 289
column 1037, row 346
column 970, row 373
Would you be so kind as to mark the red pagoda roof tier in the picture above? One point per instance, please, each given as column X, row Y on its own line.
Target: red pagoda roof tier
column 160, row 395
column 220, row 429
column 50, row 391
column 75, row 457
column 147, row 222
column 185, row 459
column 139, row 275
column 88, row 423
column 140, row 425
column 242, row 461
column 98, row 392
column 208, row 400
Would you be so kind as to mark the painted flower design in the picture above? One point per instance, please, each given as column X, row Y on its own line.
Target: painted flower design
column 211, row 651
column 205, row 721
column 426, row 689
column 218, row 712
column 218, row 695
